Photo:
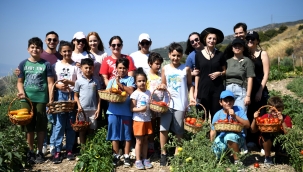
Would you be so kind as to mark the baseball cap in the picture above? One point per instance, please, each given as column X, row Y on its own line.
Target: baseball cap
column 79, row 35
column 253, row 34
column 144, row 36
column 226, row 93
column 238, row 41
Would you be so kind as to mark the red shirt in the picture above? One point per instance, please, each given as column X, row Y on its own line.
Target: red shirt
column 108, row 66
column 286, row 118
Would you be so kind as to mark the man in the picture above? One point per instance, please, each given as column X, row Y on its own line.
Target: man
column 240, row 30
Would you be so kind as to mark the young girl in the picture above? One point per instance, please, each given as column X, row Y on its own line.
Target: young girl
column 66, row 71
column 119, row 114
column 153, row 81
column 176, row 77
column 142, row 125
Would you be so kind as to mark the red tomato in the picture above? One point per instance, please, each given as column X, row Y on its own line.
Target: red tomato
column 261, row 120
column 198, row 124
column 276, row 120
column 266, row 121
column 256, row 165
column 220, row 121
column 192, row 122
column 271, row 120
column 193, row 119
column 231, row 121
column 225, row 120
column 301, row 152
column 187, row 119
column 162, row 103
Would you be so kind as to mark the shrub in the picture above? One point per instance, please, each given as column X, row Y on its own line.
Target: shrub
column 96, row 154
column 275, row 74
column 296, row 86
column 300, row 27
column 282, row 28
column 289, row 51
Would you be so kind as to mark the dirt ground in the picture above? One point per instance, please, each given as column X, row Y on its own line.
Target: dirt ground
column 67, row 166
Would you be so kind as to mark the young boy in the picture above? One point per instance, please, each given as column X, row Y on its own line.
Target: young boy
column 268, row 138
column 176, row 78
column 87, row 97
column 224, row 140
column 35, row 82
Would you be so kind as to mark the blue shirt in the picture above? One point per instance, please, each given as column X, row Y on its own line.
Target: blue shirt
column 190, row 60
column 122, row 108
column 221, row 115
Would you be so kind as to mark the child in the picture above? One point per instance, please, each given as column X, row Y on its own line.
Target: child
column 87, row 97
column 176, row 77
column 268, row 138
column 66, row 71
column 142, row 125
column 35, row 81
column 153, row 81
column 225, row 140
column 119, row 114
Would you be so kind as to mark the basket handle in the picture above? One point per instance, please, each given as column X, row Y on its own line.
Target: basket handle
column 205, row 113
column 53, row 91
column 267, row 106
column 77, row 115
column 9, row 107
column 169, row 97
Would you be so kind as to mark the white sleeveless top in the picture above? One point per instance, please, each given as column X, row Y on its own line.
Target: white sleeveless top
column 176, row 81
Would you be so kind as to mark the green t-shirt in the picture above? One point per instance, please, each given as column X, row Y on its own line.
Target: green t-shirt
column 238, row 71
column 35, row 79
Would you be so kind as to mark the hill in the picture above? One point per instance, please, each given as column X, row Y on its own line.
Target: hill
column 227, row 39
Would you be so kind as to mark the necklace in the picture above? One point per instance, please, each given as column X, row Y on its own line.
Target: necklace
column 210, row 53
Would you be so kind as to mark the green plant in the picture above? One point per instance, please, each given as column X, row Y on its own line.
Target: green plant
column 276, row 74
column 96, row 154
column 282, row 28
column 296, row 86
column 300, row 27
column 12, row 149
column 289, row 51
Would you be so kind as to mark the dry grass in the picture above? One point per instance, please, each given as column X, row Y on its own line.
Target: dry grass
column 292, row 37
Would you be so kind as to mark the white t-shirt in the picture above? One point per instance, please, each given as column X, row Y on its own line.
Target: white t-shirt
column 97, row 65
column 142, row 99
column 66, row 71
column 140, row 60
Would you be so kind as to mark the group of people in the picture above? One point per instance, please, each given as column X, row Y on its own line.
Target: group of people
column 235, row 80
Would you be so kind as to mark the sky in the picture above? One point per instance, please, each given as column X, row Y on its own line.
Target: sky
column 165, row 21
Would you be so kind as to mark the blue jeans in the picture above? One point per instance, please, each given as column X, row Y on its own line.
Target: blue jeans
column 63, row 124
column 52, row 121
column 239, row 93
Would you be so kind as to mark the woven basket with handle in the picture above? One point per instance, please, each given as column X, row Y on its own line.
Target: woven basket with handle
column 157, row 107
column 24, row 121
column 268, row 128
column 79, row 126
column 228, row 126
column 111, row 96
column 192, row 128
column 55, row 107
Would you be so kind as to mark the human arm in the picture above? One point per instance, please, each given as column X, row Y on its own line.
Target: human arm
column 191, row 95
column 21, row 92
column 106, row 79
column 248, row 91
column 128, row 89
column 213, row 134
column 50, row 83
column 76, row 98
column 134, row 108
column 266, row 66
column 286, row 122
column 130, row 73
column 245, row 122
column 132, row 67
column 197, row 78
column 163, row 80
column 98, row 107
column 253, row 126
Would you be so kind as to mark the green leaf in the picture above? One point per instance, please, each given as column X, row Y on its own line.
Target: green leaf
column 9, row 155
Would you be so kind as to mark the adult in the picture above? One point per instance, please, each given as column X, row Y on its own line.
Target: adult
column 259, row 94
column 239, row 73
column 108, row 67
column 193, row 45
column 212, row 66
column 240, row 30
column 140, row 57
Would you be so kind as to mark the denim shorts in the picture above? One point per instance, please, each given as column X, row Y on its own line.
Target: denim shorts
column 239, row 93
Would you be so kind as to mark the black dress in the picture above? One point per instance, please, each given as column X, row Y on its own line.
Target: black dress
column 209, row 90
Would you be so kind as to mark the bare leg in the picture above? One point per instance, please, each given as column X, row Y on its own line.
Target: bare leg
column 163, row 140
column 145, row 147
column 138, row 147
column 30, row 140
column 115, row 144
column 235, row 147
column 179, row 137
column 40, row 137
column 127, row 147
column 82, row 136
column 267, row 147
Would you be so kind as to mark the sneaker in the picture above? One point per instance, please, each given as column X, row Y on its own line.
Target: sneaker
column 57, row 159
column 244, row 150
column 44, row 150
column 116, row 159
column 70, row 156
column 268, row 161
column 139, row 165
column 147, row 164
column 52, row 150
column 31, row 157
column 262, row 152
column 40, row 158
column 127, row 162
column 163, row 160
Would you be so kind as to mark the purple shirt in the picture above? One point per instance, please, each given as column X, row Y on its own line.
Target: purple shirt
column 51, row 58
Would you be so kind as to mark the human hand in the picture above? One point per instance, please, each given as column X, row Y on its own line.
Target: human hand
column 17, row 71
column 62, row 86
column 193, row 101
column 96, row 114
column 214, row 75
column 78, row 64
column 280, row 116
column 195, row 94
column 256, row 114
column 258, row 96
column 161, row 87
column 195, row 72
column 231, row 112
column 20, row 95
column 246, row 101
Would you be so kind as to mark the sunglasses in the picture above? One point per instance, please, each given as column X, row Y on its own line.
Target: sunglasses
column 80, row 40
column 114, row 45
column 145, row 43
column 250, row 38
column 195, row 40
column 50, row 40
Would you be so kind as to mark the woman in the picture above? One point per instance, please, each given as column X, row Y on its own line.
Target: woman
column 212, row 66
column 140, row 57
column 193, row 45
column 108, row 68
column 240, row 73
column 259, row 94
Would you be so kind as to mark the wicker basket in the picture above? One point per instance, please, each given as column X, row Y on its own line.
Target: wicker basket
column 268, row 128
column 77, row 127
column 228, row 126
column 193, row 128
column 24, row 121
column 55, row 107
column 156, row 107
column 110, row 96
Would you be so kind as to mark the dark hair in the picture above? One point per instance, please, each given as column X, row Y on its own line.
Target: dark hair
column 228, row 52
column 276, row 101
column 85, row 48
column 153, row 56
column 64, row 43
column 52, row 33
column 124, row 61
column 35, row 41
column 243, row 25
column 175, row 46
column 115, row 37
column 87, row 61
column 100, row 46
column 138, row 72
column 189, row 47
